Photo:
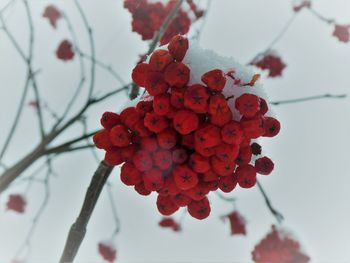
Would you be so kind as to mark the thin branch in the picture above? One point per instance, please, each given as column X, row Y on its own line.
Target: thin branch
column 279, row 217
column 78, row 229
column 17, row 117
column 321, row 17
column 34, row 224
column 92, row 49
column 82, row 71
column 135, row 88
column 317, row 97
column 276, row 39
column 104, row 66
column 29, row 62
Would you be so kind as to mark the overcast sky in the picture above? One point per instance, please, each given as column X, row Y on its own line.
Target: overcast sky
column 310, row 184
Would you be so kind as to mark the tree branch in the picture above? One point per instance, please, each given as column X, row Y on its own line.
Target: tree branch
column 78, row 229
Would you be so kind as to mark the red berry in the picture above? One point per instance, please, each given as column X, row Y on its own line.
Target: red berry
column 198, row 192
column 256, row 148
column 177, row 74
column 181, row 199
column 167, row 139
column 163, row 159
column 177, row 47
column 17, row 203
column 65, row 51
column 199, row 163
column 166, row 206
column 205, row 151
column 120, row 136
column 149, row 144
column 264, row 165
column 140, row 188
column 214, row 79
column 272, row 127
column 143, row 161
column 245, row 155
column 129, row 175
column 248, row 104
column 226, row 152
column 222, row 168
column 177, row 97
column 263, row 106
column 227, row 183
column 253, row 128
column 109, row 119
column 139, row 74
column 139, row 129
column 184, row 177
column 231, row 133
column 196, row 98
column 153, row 179
column 160, row 59
column 101, row 140
column 220, row 119
column 128, row 152
column 155, row 83
column 199, row 209
column 218, row 104
column 169, row 187
column 208, row 136
column 246, row 176
column 143, row 107
column 155, row 123
column 129, row 117
column 210, row 176
column 161, row 104
column 185, row 121
column 114, row 157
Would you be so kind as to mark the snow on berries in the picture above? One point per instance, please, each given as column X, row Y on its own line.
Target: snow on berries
column 193, row 131
column 279, row 246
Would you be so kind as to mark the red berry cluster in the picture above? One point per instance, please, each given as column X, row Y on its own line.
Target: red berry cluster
column 279, row 247
column 147, row 18
column 183, row 142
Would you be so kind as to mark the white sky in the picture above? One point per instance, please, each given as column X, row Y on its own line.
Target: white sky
column 310, row 184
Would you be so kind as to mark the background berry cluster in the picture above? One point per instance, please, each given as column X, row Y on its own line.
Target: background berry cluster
column 181, row 140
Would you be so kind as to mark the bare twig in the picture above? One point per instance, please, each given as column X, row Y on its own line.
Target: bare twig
column 279, row 217
column 321, row 17
column 317, row 97
column 27, row 241
column 276, row 39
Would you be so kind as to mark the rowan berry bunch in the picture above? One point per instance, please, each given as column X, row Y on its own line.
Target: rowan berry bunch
column 183, row 141
column 147, row 18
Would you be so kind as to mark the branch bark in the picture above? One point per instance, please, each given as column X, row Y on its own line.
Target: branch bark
column 78, row 228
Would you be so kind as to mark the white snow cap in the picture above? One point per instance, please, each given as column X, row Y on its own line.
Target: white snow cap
column 201, row 60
